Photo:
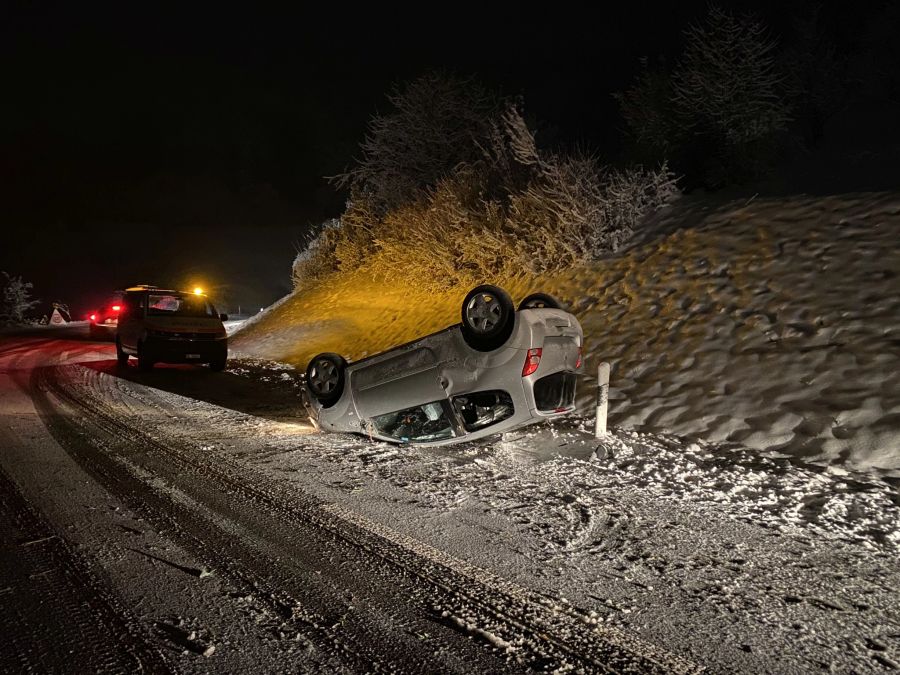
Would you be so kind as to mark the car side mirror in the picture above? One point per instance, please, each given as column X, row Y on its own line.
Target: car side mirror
column 223, row 317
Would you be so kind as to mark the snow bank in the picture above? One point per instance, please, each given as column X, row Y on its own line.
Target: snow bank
column 774, row 324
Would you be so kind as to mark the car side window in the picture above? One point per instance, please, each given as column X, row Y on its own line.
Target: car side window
column 419, row 424
column 481, row 409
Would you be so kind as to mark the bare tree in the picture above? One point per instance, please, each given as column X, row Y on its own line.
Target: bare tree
column 16, row 299
column 456, row 201
column 591, row 209
column 438, row 121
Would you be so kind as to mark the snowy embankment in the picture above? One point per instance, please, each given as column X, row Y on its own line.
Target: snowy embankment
column 769, row 323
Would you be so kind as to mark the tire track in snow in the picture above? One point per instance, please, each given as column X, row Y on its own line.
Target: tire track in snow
column 530, row 629
column 269, row 559
column 56, row 615
column 110, row 452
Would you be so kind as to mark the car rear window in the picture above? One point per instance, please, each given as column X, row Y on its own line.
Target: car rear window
column 179, row 305
column 419, row 424
column 555, row 392
column 483, row 408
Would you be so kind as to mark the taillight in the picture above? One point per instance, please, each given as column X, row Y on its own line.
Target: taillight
column 93, row 317
column 532, row 360
column 116, row 308
column 578, row 362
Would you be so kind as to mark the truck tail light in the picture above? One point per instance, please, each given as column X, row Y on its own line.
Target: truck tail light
column 93, row 317
column 532, row 361
column 116, row 308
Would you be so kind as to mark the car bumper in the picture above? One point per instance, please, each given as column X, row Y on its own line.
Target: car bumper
column 186, row 351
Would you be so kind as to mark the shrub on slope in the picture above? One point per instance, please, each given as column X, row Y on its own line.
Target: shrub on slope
column 515, row 210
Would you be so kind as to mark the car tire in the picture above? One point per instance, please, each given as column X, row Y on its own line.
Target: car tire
column 325, row 378
column 144, row 361
column 218, row 365
column 121, row 356
column 540, row 301
column 488, row 316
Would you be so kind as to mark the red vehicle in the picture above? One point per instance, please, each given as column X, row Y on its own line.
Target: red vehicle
column 105, row 321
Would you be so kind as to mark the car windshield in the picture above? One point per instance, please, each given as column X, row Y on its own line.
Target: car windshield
column 419, row 424
column 483, row 408
column 179, row 305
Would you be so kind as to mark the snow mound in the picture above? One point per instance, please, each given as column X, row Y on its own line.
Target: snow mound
column 562, row 484
column 774, row 324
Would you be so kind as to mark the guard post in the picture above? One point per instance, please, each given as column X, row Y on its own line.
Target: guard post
column 602, row 399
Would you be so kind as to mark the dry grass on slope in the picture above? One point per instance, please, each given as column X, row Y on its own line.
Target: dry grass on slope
column 353, row 315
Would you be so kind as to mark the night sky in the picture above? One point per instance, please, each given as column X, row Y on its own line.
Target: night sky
column 187, row 146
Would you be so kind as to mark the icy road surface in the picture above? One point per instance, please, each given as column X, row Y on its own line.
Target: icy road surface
column 190, row 521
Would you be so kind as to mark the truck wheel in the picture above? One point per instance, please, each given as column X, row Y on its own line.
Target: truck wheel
column 144, row 360
column 121, row 356
column 218, row 365
column 325, row 378
column 488, row 316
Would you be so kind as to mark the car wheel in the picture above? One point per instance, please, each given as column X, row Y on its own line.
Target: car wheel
column 121, row 356
column 218, row 365
column 325, row 378
column 488, row 315
column 144, row 361
column 540, row 301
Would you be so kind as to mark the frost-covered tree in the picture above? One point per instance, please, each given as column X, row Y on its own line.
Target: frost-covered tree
column 16, row 299
column 437, row 122
column 719, row 114
column 726, row 94
column 453, row 189
column 316, row 256
column 589, row 208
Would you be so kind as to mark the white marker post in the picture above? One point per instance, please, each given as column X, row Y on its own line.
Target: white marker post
column 602, row 399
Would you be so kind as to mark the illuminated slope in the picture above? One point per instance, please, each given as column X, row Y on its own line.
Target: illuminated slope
column 771, row 323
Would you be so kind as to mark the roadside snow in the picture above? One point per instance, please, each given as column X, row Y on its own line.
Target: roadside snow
column 556, row 479
column 728, row 556
column 263, row 313
column 234, row 325
column 773, row 323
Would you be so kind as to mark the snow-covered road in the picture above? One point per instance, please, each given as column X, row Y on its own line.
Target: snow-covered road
column 212, row 565
column 214, row 531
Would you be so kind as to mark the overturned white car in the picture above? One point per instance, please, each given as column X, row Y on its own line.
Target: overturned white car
column 496, row 370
